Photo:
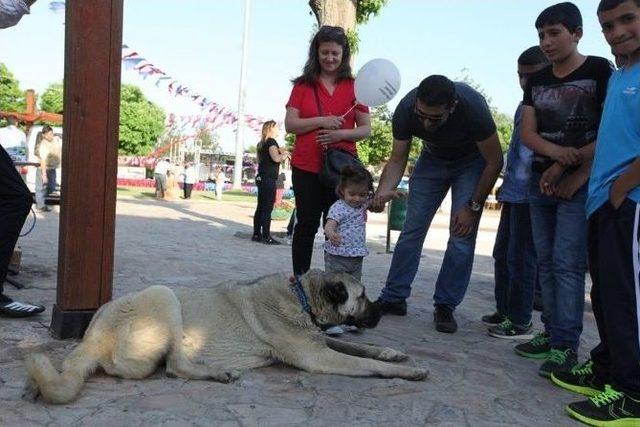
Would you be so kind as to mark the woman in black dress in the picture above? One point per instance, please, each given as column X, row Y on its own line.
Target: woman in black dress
column 269, row 157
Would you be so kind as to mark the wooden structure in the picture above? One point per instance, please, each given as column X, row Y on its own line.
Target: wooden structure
column 31, row 115
column 93, row 43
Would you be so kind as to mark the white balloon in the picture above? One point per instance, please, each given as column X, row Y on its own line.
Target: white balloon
column 377, row 82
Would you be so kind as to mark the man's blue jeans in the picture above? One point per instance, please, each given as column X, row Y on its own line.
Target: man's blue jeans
column 429, row 184
column 515, row 264
column 560, row 239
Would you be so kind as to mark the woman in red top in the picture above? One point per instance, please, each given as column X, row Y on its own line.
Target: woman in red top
column 316, row 115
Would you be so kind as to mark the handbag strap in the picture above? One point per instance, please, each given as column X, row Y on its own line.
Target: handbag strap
column 318, row 104
column 320, row 111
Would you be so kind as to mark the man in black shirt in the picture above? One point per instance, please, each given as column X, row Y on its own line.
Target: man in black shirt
column 461, row 151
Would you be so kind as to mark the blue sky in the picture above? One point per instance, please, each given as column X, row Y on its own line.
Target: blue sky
column 199, row 43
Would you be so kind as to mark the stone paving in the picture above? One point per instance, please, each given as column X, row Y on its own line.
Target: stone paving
column 475, row 380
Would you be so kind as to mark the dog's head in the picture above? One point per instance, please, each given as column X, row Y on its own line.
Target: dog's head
column 341, row 299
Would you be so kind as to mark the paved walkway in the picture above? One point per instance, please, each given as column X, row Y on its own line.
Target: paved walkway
column 475, row 380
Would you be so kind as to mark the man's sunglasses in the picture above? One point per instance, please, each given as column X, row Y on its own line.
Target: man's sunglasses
column 433, row 118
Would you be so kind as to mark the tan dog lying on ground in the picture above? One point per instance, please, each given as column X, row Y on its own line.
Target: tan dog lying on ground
column 216, row 333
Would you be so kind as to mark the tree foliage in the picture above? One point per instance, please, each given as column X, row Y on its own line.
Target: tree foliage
column 141, row 122
column 208, row 140
column 376, row 150
column 12, row 98
column 367, row 9
column 51, row 99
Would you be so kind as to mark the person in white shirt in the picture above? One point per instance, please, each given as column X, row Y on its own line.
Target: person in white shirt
column 12, row 136
column 189, row 177
column 220, row 179
column 50, row 154
column 160, row 175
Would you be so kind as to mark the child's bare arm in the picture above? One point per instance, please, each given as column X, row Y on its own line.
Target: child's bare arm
column 567, row 156
column 331, row 231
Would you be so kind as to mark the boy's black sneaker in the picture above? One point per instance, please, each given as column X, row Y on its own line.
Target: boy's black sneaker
column 537, row 348
column 559, row 360
column 494, row 319
column 510, row 330
column 608, row 408
column 580, row 379
column 398, row 308
column 256, row 238
column 444, row 320
column 270, row 241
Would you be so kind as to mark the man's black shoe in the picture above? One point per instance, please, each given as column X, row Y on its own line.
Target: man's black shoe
column 398, row 308
column 444, row 320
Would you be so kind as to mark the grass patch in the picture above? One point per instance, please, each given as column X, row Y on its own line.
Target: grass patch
column 227, row 196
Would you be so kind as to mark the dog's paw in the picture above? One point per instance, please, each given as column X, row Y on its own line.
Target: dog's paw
column 391, row 355
column 226, row 377
column 417, row 374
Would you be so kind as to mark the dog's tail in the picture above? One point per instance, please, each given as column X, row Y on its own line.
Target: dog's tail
column 56, row 387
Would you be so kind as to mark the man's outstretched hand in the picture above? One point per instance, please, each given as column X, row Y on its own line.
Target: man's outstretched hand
column 381, row 198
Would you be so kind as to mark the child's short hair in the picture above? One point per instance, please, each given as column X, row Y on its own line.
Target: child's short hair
column 437, row 90
column 46, row 128
column 566, row 14
column 606, row 5
column 355, row 175
column 533, row 56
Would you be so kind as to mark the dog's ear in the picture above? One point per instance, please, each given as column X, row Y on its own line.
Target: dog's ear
column 335, row 292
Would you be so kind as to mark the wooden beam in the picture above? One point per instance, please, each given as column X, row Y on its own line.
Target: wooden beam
column 93, row 44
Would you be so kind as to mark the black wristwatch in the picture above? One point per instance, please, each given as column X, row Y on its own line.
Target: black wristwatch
column 474, row 206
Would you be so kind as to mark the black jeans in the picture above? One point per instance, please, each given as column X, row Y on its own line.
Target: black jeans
column 266, row 199
column 614, row 266
column 312, row 202
column 15, row 202
column 515, row 269
column 187, row 190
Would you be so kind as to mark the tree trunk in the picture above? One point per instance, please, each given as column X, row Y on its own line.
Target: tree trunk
column 339, row 13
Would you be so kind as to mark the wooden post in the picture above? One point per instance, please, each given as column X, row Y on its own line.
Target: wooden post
column 93, row 46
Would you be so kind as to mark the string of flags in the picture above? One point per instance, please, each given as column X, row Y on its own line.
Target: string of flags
column 212, row 114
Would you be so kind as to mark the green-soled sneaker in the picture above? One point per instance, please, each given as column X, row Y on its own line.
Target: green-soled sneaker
column 509, row 330
column 559, row 360
column 608, row 408
column 537, row 348
column 581, row 379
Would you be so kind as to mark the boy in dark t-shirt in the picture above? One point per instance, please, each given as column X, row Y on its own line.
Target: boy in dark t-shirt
column 560, row 118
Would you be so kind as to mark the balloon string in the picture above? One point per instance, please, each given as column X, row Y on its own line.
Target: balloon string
column 350, row 109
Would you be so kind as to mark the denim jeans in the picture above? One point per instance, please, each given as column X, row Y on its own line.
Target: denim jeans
column 560, row 239
column 52, row 180
column 429, row 184
column 515, row 268
column 41, row 189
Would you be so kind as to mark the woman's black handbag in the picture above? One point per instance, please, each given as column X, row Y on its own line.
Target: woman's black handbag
column 334, row 159
column 333, row 163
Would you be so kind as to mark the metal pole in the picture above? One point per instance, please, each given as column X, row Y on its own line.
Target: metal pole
column 237, row 169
